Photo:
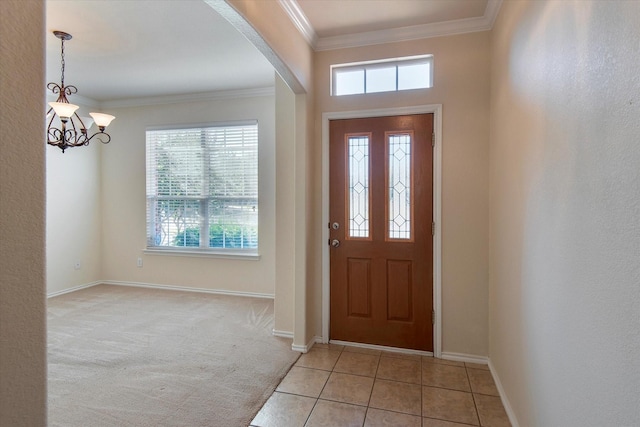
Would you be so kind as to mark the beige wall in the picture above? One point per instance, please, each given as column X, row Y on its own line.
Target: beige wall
column 74, row 216
column 285, row 196
column 565, row 211
column 124, row 202
column 268, row 27
column 22, row 212
column 461, row 78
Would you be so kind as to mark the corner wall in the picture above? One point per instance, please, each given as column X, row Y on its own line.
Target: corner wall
column 565, row 211
column 74, row 215
column 23, row 370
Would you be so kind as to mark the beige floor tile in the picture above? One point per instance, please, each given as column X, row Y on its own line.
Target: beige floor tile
column 347, row 388
column 362, row 350
column 319, row 358
column 380, row 418
column 445, row 376
column 284, row 410
column 430, row 422
column 476, row 366
column 329, row 346
column 401, row 355
column 449, row 405
column 491, row 411
column 304, row 381
column 396, row 396
column 327, row 413
column 357, row 364
column 482, row 382
column 405, row 370
column 441, row 361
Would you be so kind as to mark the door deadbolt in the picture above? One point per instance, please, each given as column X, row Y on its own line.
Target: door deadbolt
column 335, row 225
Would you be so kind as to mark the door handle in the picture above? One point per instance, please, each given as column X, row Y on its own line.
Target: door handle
column 335, row 243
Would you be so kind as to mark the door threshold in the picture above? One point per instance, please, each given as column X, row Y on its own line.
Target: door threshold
column 383, row 348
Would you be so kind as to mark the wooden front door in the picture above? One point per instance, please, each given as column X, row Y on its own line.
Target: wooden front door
column 381, row 207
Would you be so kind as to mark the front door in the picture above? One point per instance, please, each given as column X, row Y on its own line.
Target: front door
column 381, row 207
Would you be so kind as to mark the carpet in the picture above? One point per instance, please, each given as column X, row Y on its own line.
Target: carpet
column 124, row 356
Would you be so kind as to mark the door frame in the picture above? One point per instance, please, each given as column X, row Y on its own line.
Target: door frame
column 436, row 109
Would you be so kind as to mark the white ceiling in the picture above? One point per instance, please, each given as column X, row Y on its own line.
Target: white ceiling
column 125, row 49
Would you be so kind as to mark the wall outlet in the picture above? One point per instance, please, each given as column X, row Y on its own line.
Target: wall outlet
column 77, row 265
column 139, row 263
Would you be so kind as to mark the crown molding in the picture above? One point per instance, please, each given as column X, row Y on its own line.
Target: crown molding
column 300, row 20
column 492, row 10
column 414, row 32
column 194, row 97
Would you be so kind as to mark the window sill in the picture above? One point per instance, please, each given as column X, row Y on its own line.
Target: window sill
column 230, row 254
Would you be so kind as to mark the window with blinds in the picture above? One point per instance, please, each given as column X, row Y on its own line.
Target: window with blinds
column 202, row 188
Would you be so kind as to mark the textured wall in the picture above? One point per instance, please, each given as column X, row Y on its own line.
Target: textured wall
column 22, row 215
column 461, row 85
column 565, row 211
column 285, row 197
column 74, row 213
column 124, row 200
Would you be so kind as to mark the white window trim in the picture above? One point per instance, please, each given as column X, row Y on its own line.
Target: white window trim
column 203, row 252
column 250, row 255
column 370, row 65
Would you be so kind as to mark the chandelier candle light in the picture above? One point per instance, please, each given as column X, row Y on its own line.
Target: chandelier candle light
column 73, row 130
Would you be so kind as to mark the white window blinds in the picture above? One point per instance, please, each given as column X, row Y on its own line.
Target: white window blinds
column 202, row 187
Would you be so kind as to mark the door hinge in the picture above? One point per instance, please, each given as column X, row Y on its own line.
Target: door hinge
column 433, row 228
column 433, row 139
column 433, row 317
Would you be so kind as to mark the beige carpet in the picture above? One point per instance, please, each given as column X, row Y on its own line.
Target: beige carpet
column 123, row 356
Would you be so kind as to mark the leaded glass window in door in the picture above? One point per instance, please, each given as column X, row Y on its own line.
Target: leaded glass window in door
column 358, row 190
column 399, row 186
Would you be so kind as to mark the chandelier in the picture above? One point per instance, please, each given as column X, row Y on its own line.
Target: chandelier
column 71, row 130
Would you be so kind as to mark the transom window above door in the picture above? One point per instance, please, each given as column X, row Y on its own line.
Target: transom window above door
column 389, row 75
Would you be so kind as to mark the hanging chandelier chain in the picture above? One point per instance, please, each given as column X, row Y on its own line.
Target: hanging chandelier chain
column 62, row 62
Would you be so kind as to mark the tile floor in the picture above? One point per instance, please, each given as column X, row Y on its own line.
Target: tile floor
column 341, row 386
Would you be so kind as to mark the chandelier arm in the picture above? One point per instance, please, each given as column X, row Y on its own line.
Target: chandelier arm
column 54, row 136
column 54, row 87
column 51, row 112
column 99, row 136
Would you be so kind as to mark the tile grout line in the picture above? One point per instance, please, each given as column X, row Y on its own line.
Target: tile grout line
column 323, row 387
column 318, row 398
column 475, row 405
column 375, row 376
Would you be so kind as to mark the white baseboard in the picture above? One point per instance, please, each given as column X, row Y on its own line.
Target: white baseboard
column 462, row 357
column 73, row 289
column 505, row 401
column 282, row 334
column 188, row 289
column 307, row 347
